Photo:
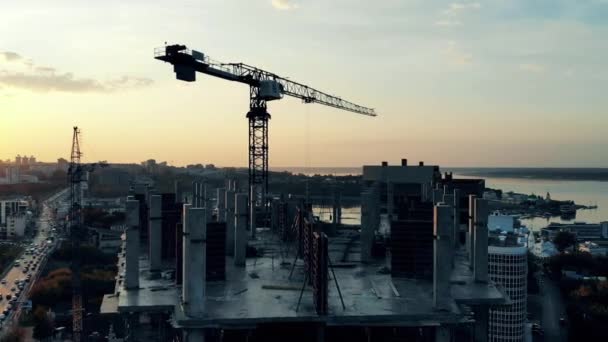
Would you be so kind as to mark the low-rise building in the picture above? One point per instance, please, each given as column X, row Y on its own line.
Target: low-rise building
column 14, row 217
column 106, row 240
column 544, row 250
column 582, row 230
column 500, row 222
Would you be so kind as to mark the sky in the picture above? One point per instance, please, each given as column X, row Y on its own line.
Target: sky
column 466, row 83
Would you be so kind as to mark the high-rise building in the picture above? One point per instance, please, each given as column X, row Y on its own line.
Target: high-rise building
column 508, row 266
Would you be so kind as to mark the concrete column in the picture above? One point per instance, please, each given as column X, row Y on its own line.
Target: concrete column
column 206, row 202
column 132, row 245
column 252, row 215
column 456, row 218
column 424, row 192
column 221, row 204
column 390, row 200
column 155, row 239
column 240, row 231
column 367, row 229
column 480, row 268
column 334, row 210
column 230, row 199
column 482, row 317
column 443, row 334
column 178, row 192
column 448, row 199
column 194, row 335
column 441, row 256
column 195, row 249
column 274, row 215
column 437, row 196
column 195, row 194
column 471, row 231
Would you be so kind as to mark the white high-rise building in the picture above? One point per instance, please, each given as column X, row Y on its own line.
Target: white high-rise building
column 508, row 266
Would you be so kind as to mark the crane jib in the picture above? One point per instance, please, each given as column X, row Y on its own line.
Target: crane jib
column 187, row 62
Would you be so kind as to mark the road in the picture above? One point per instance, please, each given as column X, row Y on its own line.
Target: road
column 36, row 260
column 552, row 309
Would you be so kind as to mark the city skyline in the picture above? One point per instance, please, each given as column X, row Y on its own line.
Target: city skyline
column 455, row 83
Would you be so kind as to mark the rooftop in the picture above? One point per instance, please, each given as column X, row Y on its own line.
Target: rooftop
column 263, row 292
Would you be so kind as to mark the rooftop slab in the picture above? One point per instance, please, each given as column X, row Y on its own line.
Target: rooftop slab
column 251, row 295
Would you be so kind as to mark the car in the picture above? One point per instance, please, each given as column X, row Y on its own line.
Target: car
column 2, row 317
column 8, row 296
column 3, row 282
column 13, row 289
column 0, row 296
column 562, row 321
column 6, row 311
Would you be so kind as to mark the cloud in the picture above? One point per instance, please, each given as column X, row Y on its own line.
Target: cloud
column 450, row 17
column 38, row 78
column 284, row 5
column 532, row 67
column 448, row 23
column 458, row 7
column 10, row 56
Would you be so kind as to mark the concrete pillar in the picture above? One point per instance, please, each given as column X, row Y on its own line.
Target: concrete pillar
column 443, row 334
column 456, row 218
column 437, row 196
column 132, row 244
column 390, row 200
column 367, row 229
column 155, row 239
column 442, row 231
column 482, row 317
column 194, row 335
column 448, row 199
column 206, row 201
column 230, row 222
column 274, row 215
column 252, row 215
column 195, row 250
column 471, row 231
column 240, row 231
column 334, row 209
column 221, row 204
column 197, row 194
column 424, row 192
column 178, row 192
column 480, row 268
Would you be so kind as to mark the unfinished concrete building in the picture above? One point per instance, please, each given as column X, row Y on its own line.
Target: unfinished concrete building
column 301, row 281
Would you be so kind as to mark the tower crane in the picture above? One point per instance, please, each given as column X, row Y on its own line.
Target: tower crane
column 264, row 86
column 76, row 172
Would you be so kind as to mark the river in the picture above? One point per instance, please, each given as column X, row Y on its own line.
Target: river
column 580, row 191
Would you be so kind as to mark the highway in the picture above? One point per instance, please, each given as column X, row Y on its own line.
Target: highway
column 29, row 264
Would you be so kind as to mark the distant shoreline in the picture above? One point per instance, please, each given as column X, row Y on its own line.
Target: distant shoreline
column 565, row 174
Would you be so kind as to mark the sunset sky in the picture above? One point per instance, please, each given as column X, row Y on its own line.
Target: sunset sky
column 488, row 83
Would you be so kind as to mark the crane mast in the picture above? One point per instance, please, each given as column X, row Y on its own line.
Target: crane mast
column 76, row 172
column 264, row 86
column 75, row 232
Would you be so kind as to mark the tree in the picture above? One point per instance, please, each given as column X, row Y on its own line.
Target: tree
column 43, row 325
column 16, row 334
column 563, row 240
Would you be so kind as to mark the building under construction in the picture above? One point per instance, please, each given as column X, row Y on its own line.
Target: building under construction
column 414, row 270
